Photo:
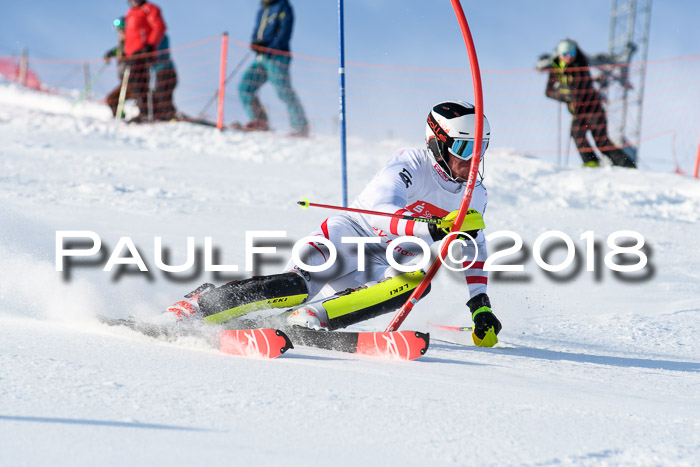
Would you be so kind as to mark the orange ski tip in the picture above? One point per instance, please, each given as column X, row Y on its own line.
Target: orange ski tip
column 396, row 345
column 262, row 343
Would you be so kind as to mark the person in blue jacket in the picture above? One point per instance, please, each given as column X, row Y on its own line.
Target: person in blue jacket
column 270, row 41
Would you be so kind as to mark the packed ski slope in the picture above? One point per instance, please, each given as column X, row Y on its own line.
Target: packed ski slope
column 592, row 368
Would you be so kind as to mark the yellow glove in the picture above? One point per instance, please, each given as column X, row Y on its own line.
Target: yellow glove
column 486, row 325
column 489, row 339
column 472, row 221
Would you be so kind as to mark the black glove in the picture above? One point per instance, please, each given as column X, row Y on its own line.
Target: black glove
column 483, row 317
column 147, row 52
column 437, row 234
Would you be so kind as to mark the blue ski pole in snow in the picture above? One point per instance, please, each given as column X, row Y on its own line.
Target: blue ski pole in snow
column 341, row 73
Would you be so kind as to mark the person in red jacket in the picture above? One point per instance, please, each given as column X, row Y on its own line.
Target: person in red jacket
column 143, row 33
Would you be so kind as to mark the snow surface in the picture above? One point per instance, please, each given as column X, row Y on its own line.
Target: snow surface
column 592, row 368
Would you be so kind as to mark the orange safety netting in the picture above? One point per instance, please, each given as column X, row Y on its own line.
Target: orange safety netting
column 391, row 102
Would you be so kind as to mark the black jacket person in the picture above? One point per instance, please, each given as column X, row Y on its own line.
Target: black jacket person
column 570, row 81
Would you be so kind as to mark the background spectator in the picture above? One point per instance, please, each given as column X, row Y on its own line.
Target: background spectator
column 144, row 30
column 166, row 81
column 570, row 82
column 271, row 35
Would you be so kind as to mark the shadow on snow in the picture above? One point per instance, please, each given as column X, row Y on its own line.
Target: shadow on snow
column 625, row 362
column 79, row 421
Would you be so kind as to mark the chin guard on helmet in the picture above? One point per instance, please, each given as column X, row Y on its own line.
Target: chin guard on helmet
column 435, row 148
column 450, row 131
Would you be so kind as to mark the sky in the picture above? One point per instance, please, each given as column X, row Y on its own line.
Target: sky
column 509, row 34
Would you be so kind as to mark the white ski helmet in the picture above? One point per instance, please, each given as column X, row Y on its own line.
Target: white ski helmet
column 450, row 131
column 567, row 46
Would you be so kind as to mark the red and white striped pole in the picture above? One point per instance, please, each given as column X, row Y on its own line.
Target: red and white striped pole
column 222, row 81
column 471, row 181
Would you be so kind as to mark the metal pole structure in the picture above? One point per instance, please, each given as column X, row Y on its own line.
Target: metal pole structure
column 151, row 91
column 228, row 78
column 626, row 89
column 559, row 133
column 341, row 74
column 613, row 16
column 697, row 162
column 88, row 80
column 87, row 91
column 629, row 34
column 222, row 81
column 646, row 10
column 23, row 65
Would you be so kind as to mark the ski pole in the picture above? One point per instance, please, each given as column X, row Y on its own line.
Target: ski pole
column 122, row 92
column 305, row 203
column 87, row 89
column 451, row 328
column 228, row 78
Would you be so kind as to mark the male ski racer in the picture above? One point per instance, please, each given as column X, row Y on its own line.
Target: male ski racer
column 425, row 183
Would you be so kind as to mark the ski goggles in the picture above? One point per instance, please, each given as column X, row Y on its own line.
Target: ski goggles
column 569, row 54
column 464, row 149
column 119, row 23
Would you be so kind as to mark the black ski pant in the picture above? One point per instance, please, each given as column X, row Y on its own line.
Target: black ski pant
column 597, row 123
column 166, row 81
column 139, row 78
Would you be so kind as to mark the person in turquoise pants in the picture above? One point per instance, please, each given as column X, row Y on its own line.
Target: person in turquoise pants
column 273, row 30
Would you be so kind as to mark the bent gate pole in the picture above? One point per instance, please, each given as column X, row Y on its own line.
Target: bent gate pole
column 471, row 181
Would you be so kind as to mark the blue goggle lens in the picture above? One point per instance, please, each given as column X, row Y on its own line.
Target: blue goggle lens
column 464, row 149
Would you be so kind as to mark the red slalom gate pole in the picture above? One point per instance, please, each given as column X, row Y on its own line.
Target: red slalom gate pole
column 305, row 203
column 222, row 81
column 471, row 181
